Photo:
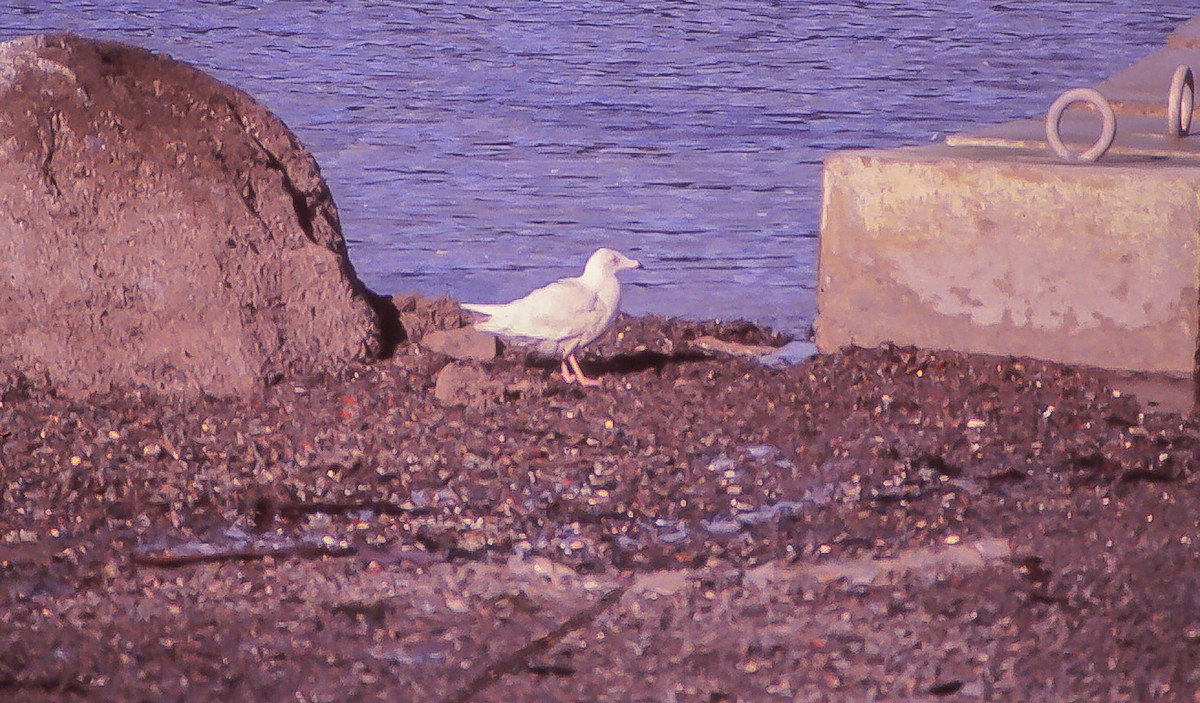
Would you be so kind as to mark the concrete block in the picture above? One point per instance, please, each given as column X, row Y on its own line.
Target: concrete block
column 1142, row 88
column 1137, row 135
column 1011, row 252
column 1186, row 36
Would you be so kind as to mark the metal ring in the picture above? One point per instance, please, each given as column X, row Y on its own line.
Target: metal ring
column 1054, row 124
column 1180, row 101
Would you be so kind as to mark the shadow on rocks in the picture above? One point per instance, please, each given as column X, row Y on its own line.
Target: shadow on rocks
column 625, row 363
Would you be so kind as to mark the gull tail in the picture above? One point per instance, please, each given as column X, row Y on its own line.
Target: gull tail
column 488, row 310
column 490, row 323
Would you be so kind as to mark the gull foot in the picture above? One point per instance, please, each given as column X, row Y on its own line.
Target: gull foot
column 579, row 375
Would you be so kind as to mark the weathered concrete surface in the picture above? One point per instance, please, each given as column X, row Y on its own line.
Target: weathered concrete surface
column 1187, row 36
column 990, row 244
column 1142, row 88
column 1012, row 252
column 1138, row 95
column 1137, row 135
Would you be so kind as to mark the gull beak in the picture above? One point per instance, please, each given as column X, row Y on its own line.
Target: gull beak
column 631, row 263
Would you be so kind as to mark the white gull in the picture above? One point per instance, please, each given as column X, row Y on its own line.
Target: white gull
column 564, row 316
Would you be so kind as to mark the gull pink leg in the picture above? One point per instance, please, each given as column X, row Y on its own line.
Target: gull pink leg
column 579, row 376
column 568, row 376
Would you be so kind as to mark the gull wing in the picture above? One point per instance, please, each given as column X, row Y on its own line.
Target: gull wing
column 562, row 310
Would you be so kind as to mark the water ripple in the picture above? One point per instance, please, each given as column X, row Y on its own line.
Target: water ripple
column 476, row 148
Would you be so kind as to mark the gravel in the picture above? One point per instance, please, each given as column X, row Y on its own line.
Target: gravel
column 363, row 537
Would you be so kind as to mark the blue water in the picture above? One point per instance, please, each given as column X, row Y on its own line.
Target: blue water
column 482, row 148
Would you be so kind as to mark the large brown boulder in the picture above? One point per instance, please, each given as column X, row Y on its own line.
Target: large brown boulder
column 161, row 228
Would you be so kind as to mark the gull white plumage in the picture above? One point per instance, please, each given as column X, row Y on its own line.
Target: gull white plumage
column 564, row 316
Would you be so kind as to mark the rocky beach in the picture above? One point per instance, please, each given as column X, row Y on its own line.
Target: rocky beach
column 228, row 471
column 885, row 524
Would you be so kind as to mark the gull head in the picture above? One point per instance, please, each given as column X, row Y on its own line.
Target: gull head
column 607, row 262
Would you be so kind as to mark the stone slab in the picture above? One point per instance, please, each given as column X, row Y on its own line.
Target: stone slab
column 1137, row 135
column 1013, row 252
column 1186, row 36
column 1142, row 88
